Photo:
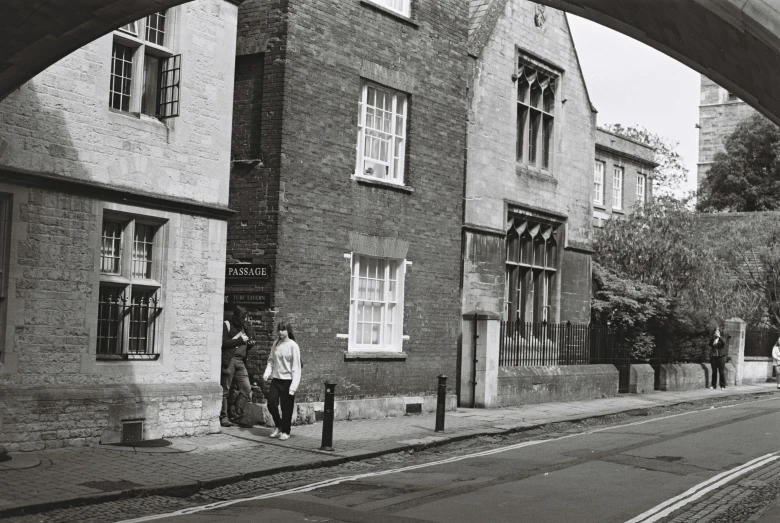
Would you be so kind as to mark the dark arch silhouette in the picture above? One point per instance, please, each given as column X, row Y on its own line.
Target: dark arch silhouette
column 37, row 34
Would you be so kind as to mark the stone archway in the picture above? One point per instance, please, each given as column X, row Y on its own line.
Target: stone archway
column 37, row 34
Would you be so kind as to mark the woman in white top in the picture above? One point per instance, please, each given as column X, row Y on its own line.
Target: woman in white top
column 776, row 360
column 284, row 367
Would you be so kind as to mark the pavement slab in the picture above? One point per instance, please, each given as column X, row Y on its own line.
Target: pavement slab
column 42, row 480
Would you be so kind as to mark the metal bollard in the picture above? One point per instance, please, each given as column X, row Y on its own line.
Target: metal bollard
column 327, row 421
column 441, row 403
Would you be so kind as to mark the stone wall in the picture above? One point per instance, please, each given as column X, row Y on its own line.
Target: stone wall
column 523, row 385
column 66, row 160
column 496, row 180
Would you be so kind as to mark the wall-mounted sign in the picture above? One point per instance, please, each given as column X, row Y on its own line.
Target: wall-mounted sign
column 260, row 299
column 247, row 271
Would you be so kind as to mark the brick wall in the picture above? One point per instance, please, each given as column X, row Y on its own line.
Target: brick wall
column 303, row 204
column 496, row 180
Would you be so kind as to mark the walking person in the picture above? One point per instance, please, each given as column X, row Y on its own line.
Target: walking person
column 718, row 352
column 284, row 367
column 776, row 361
column 235, row 346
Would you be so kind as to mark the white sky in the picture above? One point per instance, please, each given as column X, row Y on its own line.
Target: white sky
column 633, row 84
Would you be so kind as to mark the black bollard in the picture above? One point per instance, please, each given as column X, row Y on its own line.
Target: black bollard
column 441, row 403
column 327, row 421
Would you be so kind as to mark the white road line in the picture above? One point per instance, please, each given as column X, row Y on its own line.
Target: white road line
column 335, row 481
column 694, row 493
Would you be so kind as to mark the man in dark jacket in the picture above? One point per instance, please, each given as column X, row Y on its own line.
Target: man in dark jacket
column 235, row 344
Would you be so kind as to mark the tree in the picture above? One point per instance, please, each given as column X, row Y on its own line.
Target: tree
column 653, row 246
column 670, row 176
column 746, row 177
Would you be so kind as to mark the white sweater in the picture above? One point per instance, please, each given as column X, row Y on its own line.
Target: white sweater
column 776, row 355
column 284, row 363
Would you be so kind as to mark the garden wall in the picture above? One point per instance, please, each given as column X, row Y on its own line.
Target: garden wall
column 524, row 385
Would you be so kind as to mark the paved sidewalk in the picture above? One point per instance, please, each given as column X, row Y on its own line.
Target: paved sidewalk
column 41, row 480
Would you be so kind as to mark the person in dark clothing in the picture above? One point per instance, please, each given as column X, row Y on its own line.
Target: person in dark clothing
column 718, row 352
column 235, row 345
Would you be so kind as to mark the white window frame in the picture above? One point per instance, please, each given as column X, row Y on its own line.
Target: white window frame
column 598, row 182
column 127, row 282
column 395, row 163
column 402, row 7
column 617, row 187
column 142, row 50
column 641, row 182
column 386, row 344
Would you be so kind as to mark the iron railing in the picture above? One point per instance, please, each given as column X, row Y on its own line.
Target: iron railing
column 760, row 340
column 542, row 344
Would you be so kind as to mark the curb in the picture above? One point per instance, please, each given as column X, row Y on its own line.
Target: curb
column 193, row 487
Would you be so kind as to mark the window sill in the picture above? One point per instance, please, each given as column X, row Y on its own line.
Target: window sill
column 618, row 211
column 374, row 356
column 546, row 176
column 599, row 207
column 365, row 180
column 127, row 357
column 394, row 14
column 138, row 120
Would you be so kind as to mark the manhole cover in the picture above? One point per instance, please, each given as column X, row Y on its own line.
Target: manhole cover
column 668, row 458
column 149, row 444
column 110, row 486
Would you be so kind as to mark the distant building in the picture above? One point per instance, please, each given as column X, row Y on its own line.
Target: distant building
column 622, row 176
column 347, row 181
column 720, row 111
column 114, row 167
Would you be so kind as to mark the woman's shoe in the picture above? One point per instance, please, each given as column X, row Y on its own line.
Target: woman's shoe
column 276, row 433
column 284, row 437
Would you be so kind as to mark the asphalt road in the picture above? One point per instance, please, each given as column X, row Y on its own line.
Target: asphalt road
column 644, row 471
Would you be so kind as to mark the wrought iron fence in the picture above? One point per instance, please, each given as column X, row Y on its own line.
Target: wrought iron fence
column 760, row 340
column 541, row 344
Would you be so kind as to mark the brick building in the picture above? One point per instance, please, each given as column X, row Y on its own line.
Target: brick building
column 720, row 111
column 527, row 224
column 347, row 179
column 114, row 167
column 622, row 176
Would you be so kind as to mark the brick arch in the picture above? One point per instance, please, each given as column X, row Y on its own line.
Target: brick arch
column 735, row 43
column 37, row 34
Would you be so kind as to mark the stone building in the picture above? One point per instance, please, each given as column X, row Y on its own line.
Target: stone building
column 527, row 239
column 622, row 176
column 114, row 170
column 347, row 181
column 720, row 111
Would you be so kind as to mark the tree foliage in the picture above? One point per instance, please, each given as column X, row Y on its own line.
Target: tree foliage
column 670, row 176
column 746, row 177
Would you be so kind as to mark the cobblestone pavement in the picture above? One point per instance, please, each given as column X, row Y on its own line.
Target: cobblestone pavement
column 753, row 492
column 89, row 475
column 746, row 500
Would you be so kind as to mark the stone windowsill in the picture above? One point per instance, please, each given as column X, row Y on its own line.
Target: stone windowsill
column 599, row 207
column 374, row 356
column 533, row 172
column 395, row 14
column 618, row 211
column 365, row 180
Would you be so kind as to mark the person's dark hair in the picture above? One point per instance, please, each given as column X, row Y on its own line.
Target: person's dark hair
column 285, row 325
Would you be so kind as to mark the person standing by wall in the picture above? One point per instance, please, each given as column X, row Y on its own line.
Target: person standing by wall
column 235, row 345
column 718, row 352
column 284, row 367
column 776, row 361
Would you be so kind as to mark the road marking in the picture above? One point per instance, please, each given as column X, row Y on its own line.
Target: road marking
column 336, row 481
column 694, row 493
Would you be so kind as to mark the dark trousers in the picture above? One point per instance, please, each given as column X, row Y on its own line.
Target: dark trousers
column 235, row 370
column 279, row 392
column 718, row 367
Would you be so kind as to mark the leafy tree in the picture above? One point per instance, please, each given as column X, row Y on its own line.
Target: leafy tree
column 670, row 176
column 746, row 177
column 632, row 306
column 653, row 246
